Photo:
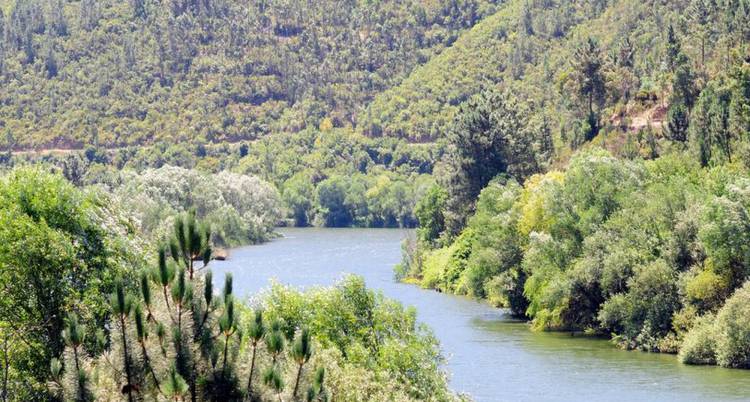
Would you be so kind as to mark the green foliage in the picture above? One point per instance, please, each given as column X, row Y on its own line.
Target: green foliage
column 200, row 347
column 429, row 214
column 239, row 208
column 228, row 70
column 374, row 347
column 699, row 346
column 491, row 135
column 339, row 178
column 723, row 339
column 61, row 250
column 638, row 250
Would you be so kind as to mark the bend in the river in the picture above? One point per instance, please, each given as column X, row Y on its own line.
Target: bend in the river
column 490, row 356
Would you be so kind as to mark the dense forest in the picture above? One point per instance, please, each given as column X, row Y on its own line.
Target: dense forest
column 583, row 164
column 636, row 227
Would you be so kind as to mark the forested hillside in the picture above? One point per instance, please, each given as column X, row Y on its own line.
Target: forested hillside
column 643, row 240
column 536, row 50
column 114, row 73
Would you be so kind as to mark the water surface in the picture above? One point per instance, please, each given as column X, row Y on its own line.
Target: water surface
column 490, row 356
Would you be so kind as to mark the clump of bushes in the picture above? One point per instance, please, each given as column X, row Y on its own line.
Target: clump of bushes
column 723, row 339
column 646, row 252
column 240, row 208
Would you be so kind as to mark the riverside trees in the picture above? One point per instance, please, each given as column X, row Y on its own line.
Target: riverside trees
column 171, row 336
column 648, row 252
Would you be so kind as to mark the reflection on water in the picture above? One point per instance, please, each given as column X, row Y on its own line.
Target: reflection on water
column 490, row 356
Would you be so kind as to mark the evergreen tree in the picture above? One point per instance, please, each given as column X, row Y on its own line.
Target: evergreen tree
column 587, row 64
column 673, row 49
column 684, row 89
column 677, row 122
column 491, row 135
column 174, row 365
column 699, row 13
column 301, row 352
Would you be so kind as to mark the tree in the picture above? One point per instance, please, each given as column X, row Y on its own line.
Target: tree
column 196, row 350
column 587, row 64
column 60, row 250
column 57, row 22
column 491, row 135
column 684, row 90
column 677, row 122
column 331, row 196
column 89, row 14
column 699, row 13
column 139, row 8
column 673, row 49
column 709, row 126
column 429, row 213
column 50, row 62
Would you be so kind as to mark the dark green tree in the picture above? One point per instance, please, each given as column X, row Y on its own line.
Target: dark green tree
column 491, row 135
column 677, row 123
column 673, row 49
column 587, row 64
column 429, row 213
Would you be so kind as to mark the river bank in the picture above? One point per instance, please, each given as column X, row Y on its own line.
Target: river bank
column 490, row 355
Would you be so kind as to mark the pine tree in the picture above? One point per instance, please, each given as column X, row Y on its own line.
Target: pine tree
column 673, row 49
column 121, row 307
column 301, row 352
column 156, row 356
column 316, row 391
column 587, row 63
column 699, row 13
column 256, row 332
column 677, row 122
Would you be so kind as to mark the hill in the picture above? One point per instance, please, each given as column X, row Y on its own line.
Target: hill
column 530, row 49
column 115, row 73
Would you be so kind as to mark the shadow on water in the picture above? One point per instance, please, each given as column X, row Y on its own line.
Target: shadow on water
column 491, row 356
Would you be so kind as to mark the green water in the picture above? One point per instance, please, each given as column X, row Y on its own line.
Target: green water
column 490, row 356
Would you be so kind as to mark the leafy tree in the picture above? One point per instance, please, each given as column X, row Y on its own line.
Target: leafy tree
column 331, row 196
column 429, row 213
column 61, row 250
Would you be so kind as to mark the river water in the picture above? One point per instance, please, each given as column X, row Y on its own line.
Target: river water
column 490, row 356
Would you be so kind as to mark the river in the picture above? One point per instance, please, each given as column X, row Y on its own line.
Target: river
column 490, row 356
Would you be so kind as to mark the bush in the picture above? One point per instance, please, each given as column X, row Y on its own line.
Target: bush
column 733, row 330
column 240, row 208
column 699, row 345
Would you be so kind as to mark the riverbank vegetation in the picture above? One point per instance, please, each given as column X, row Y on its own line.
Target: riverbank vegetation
column 331, row 177
column 645, row 243
column 113, row 314
column 643, row 250
column 582, row 163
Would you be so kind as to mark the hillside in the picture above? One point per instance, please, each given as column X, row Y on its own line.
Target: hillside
column 114, row 73
column 530, row 49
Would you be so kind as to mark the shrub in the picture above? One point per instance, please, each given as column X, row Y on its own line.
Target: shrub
column 733, row 330
column 699, row 346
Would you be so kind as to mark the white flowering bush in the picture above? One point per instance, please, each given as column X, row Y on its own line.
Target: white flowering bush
column 240, row 208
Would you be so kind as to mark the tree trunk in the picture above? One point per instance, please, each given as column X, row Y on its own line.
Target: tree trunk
column 226, row 347
column 252, row 368
column 127, row 359
column 296, row 382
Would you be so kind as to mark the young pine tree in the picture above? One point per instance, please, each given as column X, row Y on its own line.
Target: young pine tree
column 169, row 342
